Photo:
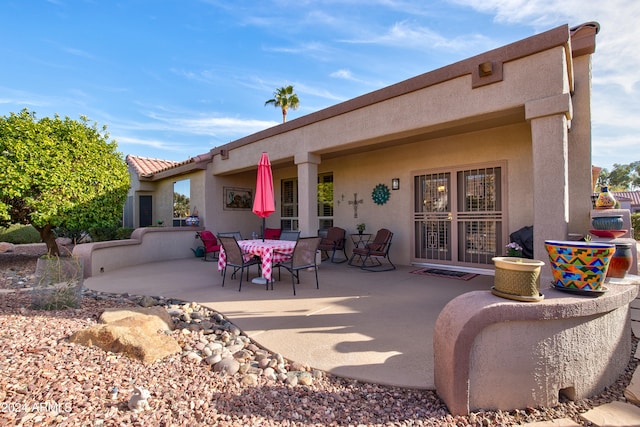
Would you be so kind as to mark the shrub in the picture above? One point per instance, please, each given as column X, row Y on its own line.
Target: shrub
column 101, row 234
column 75, row 235
column 19, row 234
column 635, row 224
column 123, row 233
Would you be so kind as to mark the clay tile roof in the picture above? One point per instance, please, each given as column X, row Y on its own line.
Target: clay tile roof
column 146, row 167
column 634, row 196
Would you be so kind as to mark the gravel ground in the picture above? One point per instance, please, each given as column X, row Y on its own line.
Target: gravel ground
column 45, row 380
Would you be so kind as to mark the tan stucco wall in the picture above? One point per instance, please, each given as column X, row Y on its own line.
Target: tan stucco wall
column 430, row 109
column 221, row 220
column 580, row 149
column 446, row 119
column 435, row 111
column 359, row 173
column 163, row 202
column 147, row 244
column 502, row 354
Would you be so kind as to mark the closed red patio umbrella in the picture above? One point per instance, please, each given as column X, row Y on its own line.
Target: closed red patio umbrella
column 264, row 203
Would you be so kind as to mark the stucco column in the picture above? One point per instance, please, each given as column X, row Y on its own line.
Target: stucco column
column 580, row 150
column 307, row 193
column 549, row 118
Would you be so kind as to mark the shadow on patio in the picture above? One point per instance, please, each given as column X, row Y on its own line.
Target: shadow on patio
column 375, row 327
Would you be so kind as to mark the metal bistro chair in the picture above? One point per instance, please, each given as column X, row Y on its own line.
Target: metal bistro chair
column 236, row 259
column 334, row 241
column 302, row 258
column 374, row 251
column 290, row 235
column 235, row 234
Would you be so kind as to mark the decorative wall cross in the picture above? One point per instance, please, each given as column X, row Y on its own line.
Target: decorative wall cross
column 355, row 202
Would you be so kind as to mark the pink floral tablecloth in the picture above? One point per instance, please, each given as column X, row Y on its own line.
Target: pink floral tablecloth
column 265, row 250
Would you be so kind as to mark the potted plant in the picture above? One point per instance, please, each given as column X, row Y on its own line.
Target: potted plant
column 514, row 250
column 361, row 227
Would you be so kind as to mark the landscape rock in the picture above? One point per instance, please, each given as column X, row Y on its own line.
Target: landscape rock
column 632, row 392
column 228, row 365
column 147, row 301
column 134, row 332
column 154, row 317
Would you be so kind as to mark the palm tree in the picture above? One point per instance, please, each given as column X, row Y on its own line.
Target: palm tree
column 284, row 98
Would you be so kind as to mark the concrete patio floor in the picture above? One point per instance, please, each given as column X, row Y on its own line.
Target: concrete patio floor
column 374, row 327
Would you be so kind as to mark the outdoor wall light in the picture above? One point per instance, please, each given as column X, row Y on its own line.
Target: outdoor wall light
column 485, row 69
column 395, row 184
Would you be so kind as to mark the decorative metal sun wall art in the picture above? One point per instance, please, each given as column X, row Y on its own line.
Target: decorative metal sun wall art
column 380, row 194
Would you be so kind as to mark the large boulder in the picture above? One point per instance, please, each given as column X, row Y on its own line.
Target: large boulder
column 134, row 332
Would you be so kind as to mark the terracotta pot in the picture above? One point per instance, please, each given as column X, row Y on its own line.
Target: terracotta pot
column 620, row 261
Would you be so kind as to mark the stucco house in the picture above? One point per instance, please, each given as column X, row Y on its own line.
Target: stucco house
column 452, row 161
column 628, row 200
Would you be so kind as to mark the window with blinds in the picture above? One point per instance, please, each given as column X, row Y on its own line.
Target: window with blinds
column 289, row 204
column 325, row 201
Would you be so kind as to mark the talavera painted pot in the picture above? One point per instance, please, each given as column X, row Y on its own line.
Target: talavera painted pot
column 613, row 222
column 579, row 265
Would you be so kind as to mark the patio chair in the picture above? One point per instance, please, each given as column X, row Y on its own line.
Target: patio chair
column 334, row 241
column 272, row 233
column 211, row 245
column 236, row 259
column 302, row 258
column 235, row 234
column 289, row 235
column 374, row 251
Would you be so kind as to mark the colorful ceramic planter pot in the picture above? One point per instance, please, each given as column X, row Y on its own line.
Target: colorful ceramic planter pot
column 613, row 222
column 620, row 261
column 192, row 221
column 579, row 265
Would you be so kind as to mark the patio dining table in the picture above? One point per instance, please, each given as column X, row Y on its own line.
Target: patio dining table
column 270, row 252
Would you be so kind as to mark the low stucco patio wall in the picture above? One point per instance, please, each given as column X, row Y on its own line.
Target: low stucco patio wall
column 494, row 353
column 150, row 244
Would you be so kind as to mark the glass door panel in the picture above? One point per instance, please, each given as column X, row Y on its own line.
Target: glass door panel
column 432, row 217
column 458, row 217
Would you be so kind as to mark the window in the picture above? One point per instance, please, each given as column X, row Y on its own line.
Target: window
column 289, row 204
column 181, row 203
column 325, row 201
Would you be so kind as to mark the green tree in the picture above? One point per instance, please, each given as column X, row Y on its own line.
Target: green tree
column 621, row 177
column 59, row 173
column 284, row 98
column 180, row 205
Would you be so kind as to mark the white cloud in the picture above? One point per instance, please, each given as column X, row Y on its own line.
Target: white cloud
column 220, row 126
column 615, row 100
column 616, row 59
column 405, row 34
column 342, row 74
column 152, row 143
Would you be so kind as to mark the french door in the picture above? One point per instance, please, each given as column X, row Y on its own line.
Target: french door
column 458, row 216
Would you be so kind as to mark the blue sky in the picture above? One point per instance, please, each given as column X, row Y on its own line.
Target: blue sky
column 174, row 78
